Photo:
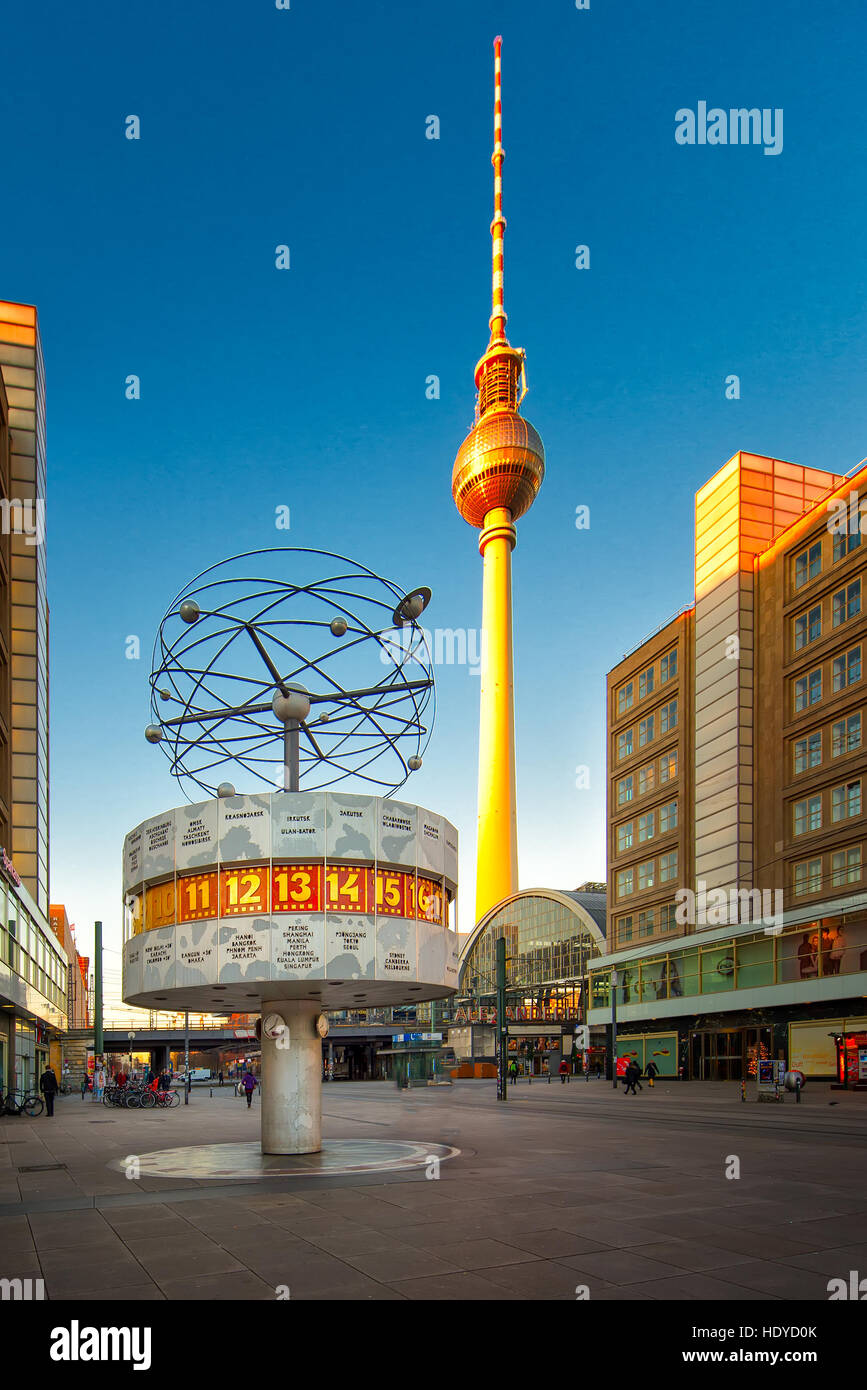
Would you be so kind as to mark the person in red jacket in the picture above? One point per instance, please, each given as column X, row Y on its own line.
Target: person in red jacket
column 563, row 1070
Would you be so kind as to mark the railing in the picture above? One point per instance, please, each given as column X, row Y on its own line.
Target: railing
column 174, row 1022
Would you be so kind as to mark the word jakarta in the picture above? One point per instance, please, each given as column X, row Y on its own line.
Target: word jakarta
column 735, row 127
column 77, row 1343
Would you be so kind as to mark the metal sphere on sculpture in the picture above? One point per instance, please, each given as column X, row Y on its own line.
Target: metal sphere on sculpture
column 294, row 705
column 153, row 733
column 189, row 611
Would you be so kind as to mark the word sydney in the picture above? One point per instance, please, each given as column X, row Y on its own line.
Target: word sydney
column 735, row 127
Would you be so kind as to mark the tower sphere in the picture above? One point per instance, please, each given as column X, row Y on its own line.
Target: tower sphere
column 501, row 463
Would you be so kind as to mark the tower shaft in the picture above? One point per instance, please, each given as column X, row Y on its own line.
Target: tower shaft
column 497, row 842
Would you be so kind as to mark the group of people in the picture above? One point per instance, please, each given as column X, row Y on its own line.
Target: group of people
column 632, row 1076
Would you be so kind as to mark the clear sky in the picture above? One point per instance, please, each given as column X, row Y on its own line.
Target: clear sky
column 305, row 387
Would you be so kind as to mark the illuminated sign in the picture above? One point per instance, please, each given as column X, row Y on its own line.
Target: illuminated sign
column 244, row 891
column 297, row 887
column 9, row 868
column 348, row 889
column 159, row 906
column 198, row 895
column 392, row 897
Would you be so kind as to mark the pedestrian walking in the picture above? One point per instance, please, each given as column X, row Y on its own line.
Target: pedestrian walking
column 98, row 1084
column 650, row 1071
column 513, row 1072
column 220, row 1077
column 48, row 1087
column 563, row 1070
column 84, row 1086
column 632, row 1077
column 249, row 1082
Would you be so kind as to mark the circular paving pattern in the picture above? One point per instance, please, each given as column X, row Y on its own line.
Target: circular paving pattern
column 246, row 1160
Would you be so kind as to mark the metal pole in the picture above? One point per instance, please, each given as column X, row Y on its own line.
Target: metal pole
column 291, row 755
column 186, row 1056
column 97, row 992
column 502, row 1035
column 614, row 1029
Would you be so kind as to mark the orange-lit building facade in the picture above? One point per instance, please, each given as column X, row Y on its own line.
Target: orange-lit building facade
column 737, row 764
column 78, row 1013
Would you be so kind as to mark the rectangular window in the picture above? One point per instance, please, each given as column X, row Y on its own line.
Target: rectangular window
column 645, row 827
column 624, row 928
column 645, row 731
column 646, row 779
column 808, row 628
column 808, row 876
column 668, row 867
column 625, row 885
column 624, row 837
column 846, row 735
column 808, row 752
column 847, row 542
column 624, row 745
column 625, row 697
column 668, row 918
column 646, row 922
column 847, row 603
column 847, row 669
column 808, row 690
column 668, row 817
column 668, row 767
column 645, row 683
column 808, row 564
column 624, row 790
column 668, row 666
column 646, row 877
column 846, row 801
column 808, row 815
column 846, row 866
column 668, row 717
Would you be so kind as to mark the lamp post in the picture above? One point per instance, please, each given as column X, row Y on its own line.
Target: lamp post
column 186, row 1056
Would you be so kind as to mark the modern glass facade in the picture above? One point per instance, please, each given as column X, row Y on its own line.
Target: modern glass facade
column 550, row 939
column 33, row 987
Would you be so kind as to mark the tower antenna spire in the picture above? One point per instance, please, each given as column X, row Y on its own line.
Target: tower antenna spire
column 498, row 224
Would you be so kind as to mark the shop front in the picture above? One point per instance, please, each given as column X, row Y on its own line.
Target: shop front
column 728, row 1054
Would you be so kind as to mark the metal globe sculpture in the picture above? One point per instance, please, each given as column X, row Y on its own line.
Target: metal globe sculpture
column 303, row 683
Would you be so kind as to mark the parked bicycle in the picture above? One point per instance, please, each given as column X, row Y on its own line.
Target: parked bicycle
column 21, row 1103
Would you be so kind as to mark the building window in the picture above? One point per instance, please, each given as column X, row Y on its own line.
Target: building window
column 668, row 917
column 808, row 564
column 624, row 836
column 646, row 921
column 847, row 669
column 808, row 752
column 847, row 603
column 808, row 815
column 808, row 877
column 624, row 790
column 645, row 683
column 646, row 779
column 624, row 745
column 808, row 628
column 668, row 767
column 624, row 929
column 668, row 867
column 625, row 883
column 845, row 543
column 808, row 690
column 668, row 666
column 624, row 697
column 846, row 866
column 668, row 717
column 846, row 735
column 645, row 731
column 668, row 817
column 846, row 801
column 646, row 875
column 645, row 827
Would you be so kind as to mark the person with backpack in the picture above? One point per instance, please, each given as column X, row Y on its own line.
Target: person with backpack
column 249, row 1083
column 563, row 1070
column 650, row 1071
column 632, row 1078
column 513, row 1072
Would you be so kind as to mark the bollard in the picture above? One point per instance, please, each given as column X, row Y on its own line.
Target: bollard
column 797, row 1093
column 743, row 1089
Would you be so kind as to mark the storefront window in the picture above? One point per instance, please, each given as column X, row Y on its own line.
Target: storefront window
column 755, row 962
column 717, row 968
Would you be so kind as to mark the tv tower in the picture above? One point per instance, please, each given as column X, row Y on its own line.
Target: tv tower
column 497, row 473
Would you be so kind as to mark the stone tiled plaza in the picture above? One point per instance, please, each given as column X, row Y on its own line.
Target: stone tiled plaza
column 566, row 1188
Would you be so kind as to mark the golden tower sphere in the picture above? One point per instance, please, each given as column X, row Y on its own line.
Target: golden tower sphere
column 501, row 463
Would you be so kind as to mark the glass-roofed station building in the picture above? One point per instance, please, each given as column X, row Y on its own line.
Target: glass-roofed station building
column 552, row 936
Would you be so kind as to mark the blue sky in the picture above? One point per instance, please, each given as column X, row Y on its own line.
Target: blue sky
column 306, row 387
